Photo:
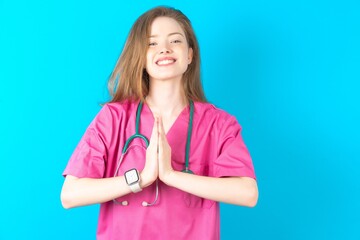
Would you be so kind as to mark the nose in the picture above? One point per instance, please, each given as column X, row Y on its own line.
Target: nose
column 165, row 48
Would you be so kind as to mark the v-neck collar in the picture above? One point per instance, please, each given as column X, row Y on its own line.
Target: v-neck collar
column 182, row 117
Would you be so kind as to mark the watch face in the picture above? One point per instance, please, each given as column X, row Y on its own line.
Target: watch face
column 131, row 176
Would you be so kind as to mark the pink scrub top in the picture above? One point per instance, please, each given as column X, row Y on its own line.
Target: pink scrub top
column 217, row 150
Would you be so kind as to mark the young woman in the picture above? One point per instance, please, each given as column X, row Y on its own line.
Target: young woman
column 158, row 157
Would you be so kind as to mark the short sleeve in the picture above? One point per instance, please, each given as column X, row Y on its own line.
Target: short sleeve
column 89, row 157
column 233, row 156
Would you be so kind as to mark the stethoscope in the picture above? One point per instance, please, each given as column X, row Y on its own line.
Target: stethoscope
column 139, row 135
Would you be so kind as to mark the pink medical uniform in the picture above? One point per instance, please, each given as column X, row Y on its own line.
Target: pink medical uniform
column 217, row 150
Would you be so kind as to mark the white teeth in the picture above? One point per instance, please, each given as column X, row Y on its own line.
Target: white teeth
column 164, row 62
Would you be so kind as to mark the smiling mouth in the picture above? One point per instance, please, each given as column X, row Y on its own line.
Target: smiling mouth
column 165, row 62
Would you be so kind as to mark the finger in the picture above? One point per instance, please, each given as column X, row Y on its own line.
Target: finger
column 162, row 136
column 161, row 129
column 157, row 137
column 154, row 134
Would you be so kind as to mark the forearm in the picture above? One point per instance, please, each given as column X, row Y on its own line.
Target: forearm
column 234, row 190
column 86, row 191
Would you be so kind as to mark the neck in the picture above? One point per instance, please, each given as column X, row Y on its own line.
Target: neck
column 166, row 98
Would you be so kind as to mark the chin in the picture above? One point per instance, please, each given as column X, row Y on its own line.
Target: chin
column 166, row 77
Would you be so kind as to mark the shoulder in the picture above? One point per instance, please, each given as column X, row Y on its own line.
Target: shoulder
column 118, row 109
column 111, row 117
column 210, row 113
column 213, row 121
column 208, row 117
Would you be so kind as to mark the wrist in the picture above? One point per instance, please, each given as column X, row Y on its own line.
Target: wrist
column 146, row 180
column 168, row 177
column 133, row 179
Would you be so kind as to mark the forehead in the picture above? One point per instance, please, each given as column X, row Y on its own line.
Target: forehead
column 164, row 26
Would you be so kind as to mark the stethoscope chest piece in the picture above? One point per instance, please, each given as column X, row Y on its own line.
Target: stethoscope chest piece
column 187, row 171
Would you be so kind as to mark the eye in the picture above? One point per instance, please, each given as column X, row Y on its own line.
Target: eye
column 151, row 44
column 176, row 41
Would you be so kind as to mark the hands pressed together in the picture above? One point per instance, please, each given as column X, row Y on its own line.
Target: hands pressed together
column 158, row 156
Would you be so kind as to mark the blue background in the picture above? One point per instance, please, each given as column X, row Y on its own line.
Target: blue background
column 288, row 70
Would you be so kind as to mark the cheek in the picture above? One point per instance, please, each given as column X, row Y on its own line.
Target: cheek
column 148, row 59
column 185, row 57
column 185, row 53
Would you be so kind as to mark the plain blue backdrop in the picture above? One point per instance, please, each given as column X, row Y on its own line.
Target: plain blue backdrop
column 288, row 70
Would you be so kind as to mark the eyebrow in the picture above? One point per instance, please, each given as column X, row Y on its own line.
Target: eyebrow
column 170, row 34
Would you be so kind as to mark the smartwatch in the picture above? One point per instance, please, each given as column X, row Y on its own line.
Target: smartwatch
column 132, row 178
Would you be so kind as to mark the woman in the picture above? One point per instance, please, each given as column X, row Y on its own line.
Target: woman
column 165, row 184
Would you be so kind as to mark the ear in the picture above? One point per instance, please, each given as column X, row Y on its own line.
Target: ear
column 190, row 55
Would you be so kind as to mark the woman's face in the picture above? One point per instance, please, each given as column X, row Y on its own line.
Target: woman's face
column 168, row 54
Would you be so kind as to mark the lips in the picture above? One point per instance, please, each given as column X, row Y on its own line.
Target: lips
column 165, row 61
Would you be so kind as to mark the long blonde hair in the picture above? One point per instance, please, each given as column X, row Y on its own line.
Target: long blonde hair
column 129, row 79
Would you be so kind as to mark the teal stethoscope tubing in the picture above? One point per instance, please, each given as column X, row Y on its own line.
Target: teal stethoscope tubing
column 139, row 135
